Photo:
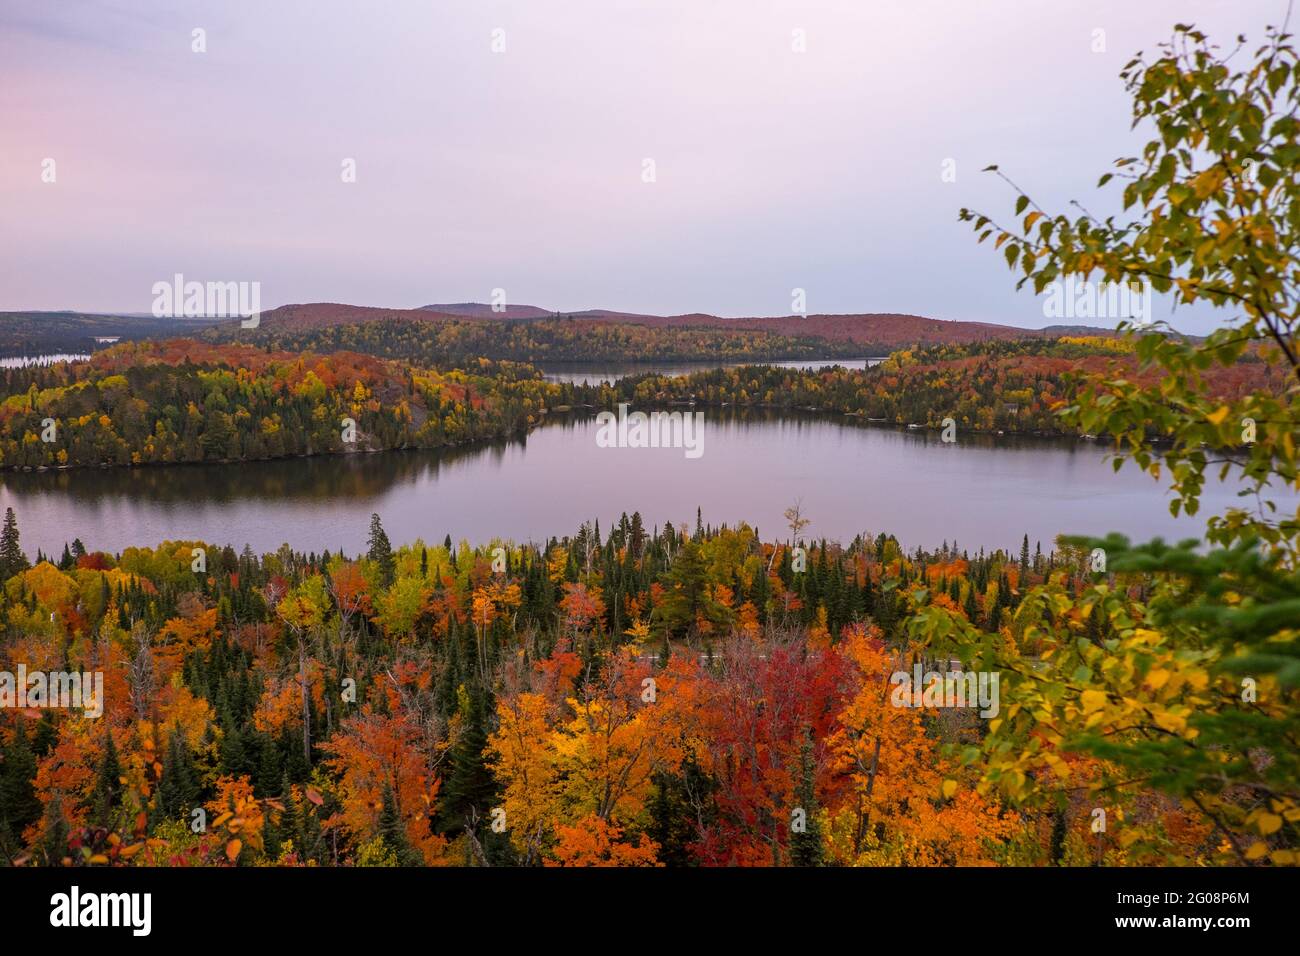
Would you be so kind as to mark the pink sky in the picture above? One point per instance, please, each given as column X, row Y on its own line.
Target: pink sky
column 523, row 170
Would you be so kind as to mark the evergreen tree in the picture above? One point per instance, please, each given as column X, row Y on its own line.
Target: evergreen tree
column 289, row 826
column 380, row 550
column 54, row 841
column 108, row 784
column 636, row 535
column 19, row 804
column 12, row 559
column 470, row 788
column 393, row 833
column 806, row 845
column 178, row 790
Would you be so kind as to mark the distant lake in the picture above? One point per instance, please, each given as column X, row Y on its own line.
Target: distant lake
column 22, row 361
column 980, row 492
column 588, row 373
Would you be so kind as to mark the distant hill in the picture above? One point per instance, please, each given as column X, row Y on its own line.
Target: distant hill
column 322, row 315
column 48, row 333
column 24, row 333
column 878, row 329
column 481, row 310
column 1059, row 330
column 882, row 329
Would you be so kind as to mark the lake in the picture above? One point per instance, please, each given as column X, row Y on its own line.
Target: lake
column 981, row 492
column 587, row 373
column 23, row 361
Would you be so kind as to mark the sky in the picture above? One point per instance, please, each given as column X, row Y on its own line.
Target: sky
column 504, row 145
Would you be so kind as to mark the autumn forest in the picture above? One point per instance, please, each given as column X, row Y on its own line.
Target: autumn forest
column 635, row 690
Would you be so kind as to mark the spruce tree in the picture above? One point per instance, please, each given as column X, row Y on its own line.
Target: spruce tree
column 54, row 841
column 178, row 790
column 393, row 833
column 108, row 784
column 470, row 788
column 19, row 805
column 380, row 550
column 806, row 844
column 12, row 559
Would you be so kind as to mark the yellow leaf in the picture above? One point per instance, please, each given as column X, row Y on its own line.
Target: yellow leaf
column 1216, row 417
column 1256, row 851
column 1092, row 700
column 949, row 788
column 1157, row 678
column 1171, row 722
column 1269, row 823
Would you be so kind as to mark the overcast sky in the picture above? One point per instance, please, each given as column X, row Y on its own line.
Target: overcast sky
column 524, row 169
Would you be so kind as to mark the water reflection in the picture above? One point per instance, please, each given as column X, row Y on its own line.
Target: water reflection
column 984, row 491
column 586, row 373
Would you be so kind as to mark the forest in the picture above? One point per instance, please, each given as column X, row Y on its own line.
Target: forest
column 438, row 343
column 653, row 696
column 187, row 401
column 191, row 401
column 665, row 695
column 1015, row 386
column 25, row 334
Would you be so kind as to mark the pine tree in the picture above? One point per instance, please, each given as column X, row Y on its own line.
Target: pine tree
column 178, row 790
column 470, row 787
column 108, row 784
column 12, row 559
column 393, row 833
column 19, row 804
column 806, row 843
column 636, row 535
column 289, row 827
column 380, row 550
column 54, row 842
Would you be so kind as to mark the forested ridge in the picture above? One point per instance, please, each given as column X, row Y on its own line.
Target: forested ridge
column 191, row 401
column 1012, row 386
column 436, row 343
column 650, row 696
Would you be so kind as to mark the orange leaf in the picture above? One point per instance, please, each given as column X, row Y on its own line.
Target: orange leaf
column 232, row 850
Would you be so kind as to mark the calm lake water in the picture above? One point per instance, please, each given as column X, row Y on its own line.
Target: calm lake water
column 981, row 492
column 22, row 361
column 586, row 373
